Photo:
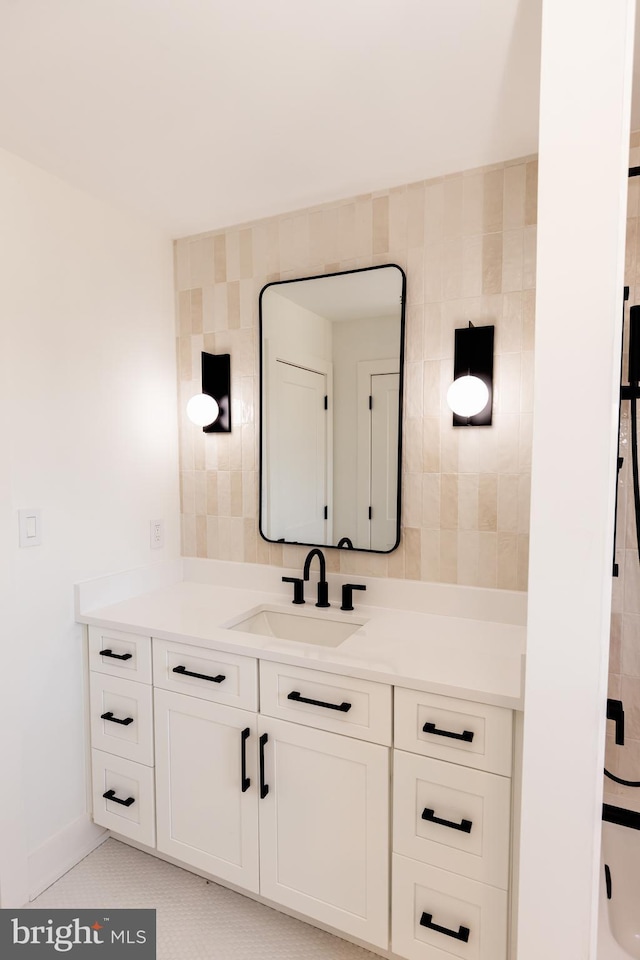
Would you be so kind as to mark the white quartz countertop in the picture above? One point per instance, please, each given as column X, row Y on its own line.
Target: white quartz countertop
column 474, row 659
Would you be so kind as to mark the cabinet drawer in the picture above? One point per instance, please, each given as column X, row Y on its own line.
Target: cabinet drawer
column 460, row 731
column 120, row 654
column 328, row 701
column 437, row 914
column 121, row 717
column 132, row 784
column 221, row 677
column 452, row 817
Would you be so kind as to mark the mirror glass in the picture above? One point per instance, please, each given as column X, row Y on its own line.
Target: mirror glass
column 331, row 409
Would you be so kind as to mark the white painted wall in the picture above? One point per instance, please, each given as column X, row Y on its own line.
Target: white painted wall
column 584, row 147
column 13, row 853
column 89, row 435
column 294, row 329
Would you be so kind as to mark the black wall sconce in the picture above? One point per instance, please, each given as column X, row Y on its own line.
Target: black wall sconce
column 470, row 396
column 211, row 409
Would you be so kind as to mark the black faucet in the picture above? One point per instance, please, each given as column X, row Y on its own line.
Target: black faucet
column 323, row 586
column 346, row 543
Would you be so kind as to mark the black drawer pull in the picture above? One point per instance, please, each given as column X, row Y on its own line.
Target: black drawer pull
column 109, row 716
column 264, row 788
column 462, row 934
column 466, row 735
column 111, row 795
column 244, row 736
column 464, row 825
column 116, row 656
column 342, row 707
column 200, row 676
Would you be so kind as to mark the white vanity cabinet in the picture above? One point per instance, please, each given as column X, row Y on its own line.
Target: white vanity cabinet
column 451, row 828
column 291, row 803
column 339, row 798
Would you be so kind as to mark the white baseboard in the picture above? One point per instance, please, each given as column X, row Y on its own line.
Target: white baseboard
column 61, row 852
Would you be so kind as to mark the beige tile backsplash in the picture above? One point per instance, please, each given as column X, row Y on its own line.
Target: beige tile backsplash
column 467, row 245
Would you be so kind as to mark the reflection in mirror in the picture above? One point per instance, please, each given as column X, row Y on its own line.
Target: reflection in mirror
column 331, row 409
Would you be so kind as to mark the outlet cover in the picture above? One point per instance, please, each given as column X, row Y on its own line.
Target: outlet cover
column 157, row 534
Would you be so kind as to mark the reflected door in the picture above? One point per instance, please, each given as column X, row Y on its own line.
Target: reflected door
column 297, row 455
column 385, row 393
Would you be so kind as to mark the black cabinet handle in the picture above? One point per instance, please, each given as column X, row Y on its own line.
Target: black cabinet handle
column 342, row 707
column 264, row 789
column 244, row 736
column 426, row 920
column 116, row 656
column 110, row 716
column 111, row 795
column 466, row 735
column 200, row 676
column 464, row 825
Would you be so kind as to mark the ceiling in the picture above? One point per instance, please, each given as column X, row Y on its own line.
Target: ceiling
column 198, row 114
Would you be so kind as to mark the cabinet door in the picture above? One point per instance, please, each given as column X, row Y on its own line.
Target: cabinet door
column 207, row 810
column 324, row 834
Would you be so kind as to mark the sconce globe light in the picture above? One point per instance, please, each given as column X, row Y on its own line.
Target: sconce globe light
column 202, row 410
column 211, row 409
column 470, row 396
column 467, row 396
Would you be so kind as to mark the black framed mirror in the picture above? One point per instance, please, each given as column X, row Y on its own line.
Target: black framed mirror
column 331, row 384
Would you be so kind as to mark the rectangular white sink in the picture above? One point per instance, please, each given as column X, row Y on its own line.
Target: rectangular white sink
column 303, row 627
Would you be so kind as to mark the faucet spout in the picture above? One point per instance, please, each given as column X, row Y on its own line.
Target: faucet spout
column 323, row 586
column 307, row 564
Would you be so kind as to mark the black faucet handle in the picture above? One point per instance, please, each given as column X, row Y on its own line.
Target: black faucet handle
column 347, row 594
column 298, row 588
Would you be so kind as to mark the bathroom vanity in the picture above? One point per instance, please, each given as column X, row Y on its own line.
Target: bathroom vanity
column 364, row 781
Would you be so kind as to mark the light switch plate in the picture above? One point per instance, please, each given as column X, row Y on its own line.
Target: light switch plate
column 30, row 526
